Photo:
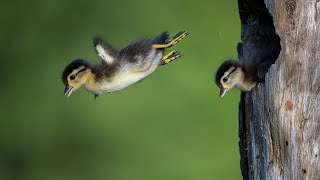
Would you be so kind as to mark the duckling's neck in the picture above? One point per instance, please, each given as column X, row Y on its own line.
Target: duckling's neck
column 90, row 80
column 245, row 84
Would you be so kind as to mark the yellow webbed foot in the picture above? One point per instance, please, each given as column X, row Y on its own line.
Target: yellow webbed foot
column 170, row 42
column 170, row 57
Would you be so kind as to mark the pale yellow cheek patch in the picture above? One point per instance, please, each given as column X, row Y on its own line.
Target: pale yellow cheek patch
column 71, row 84
column 89, row 81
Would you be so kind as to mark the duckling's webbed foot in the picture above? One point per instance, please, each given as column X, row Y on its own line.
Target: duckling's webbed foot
column 170, row 42
column 178, row 37
column 170, row 57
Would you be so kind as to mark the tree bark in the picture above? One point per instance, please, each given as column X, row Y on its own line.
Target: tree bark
column 279, row 120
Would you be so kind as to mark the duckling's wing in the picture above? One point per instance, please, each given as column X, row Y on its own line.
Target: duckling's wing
column 104, row 50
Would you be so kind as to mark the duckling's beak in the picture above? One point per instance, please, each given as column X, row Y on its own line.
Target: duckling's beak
column 223, row 92
column 68, row 90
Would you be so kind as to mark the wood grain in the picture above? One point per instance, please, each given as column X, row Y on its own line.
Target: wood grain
column 279, row 121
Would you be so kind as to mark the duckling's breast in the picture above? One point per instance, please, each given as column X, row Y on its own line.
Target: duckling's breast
column 131, row 73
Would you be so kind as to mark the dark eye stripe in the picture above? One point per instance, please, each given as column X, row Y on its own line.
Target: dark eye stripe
column 80, row 71
column 232, row 71
column 74, row 76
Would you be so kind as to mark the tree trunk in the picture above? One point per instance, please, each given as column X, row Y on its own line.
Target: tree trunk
column 279, row 120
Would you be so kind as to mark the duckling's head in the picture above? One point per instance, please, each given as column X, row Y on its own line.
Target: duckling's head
column 228, row 75
column 75, row 75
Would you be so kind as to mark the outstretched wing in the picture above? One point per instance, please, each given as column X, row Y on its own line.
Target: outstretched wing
column 104, row 50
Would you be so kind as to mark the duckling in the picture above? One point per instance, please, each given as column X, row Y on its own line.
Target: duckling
column 232, row 73
column 119, row 69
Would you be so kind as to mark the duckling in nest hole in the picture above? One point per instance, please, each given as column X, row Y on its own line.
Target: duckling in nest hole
column 244, row 76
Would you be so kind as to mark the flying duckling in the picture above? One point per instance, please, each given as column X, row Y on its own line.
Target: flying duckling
column 119, row 69
column 232, row 73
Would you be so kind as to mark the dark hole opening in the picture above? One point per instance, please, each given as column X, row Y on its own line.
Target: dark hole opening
column 260, row 42
column 304, row 171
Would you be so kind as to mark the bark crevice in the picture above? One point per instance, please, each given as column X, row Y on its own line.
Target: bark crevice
column 259, row 41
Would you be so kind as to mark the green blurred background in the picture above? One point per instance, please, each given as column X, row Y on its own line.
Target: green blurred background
column 170, row 126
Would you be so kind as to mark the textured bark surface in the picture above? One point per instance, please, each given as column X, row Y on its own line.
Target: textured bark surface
column 279, row 121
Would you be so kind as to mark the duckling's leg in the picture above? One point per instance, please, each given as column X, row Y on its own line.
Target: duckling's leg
column 170, row 42
column 170, row 57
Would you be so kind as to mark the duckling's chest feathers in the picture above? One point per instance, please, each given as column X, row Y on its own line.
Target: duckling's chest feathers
column 246, row 85
column 247, row 81
column 130, row 73
column 122, row 80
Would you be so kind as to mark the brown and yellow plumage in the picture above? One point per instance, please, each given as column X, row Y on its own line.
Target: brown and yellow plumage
column 120, row 69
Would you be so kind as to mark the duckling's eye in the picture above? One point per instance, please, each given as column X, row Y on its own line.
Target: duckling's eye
column 72, row 77
column 225, row 79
